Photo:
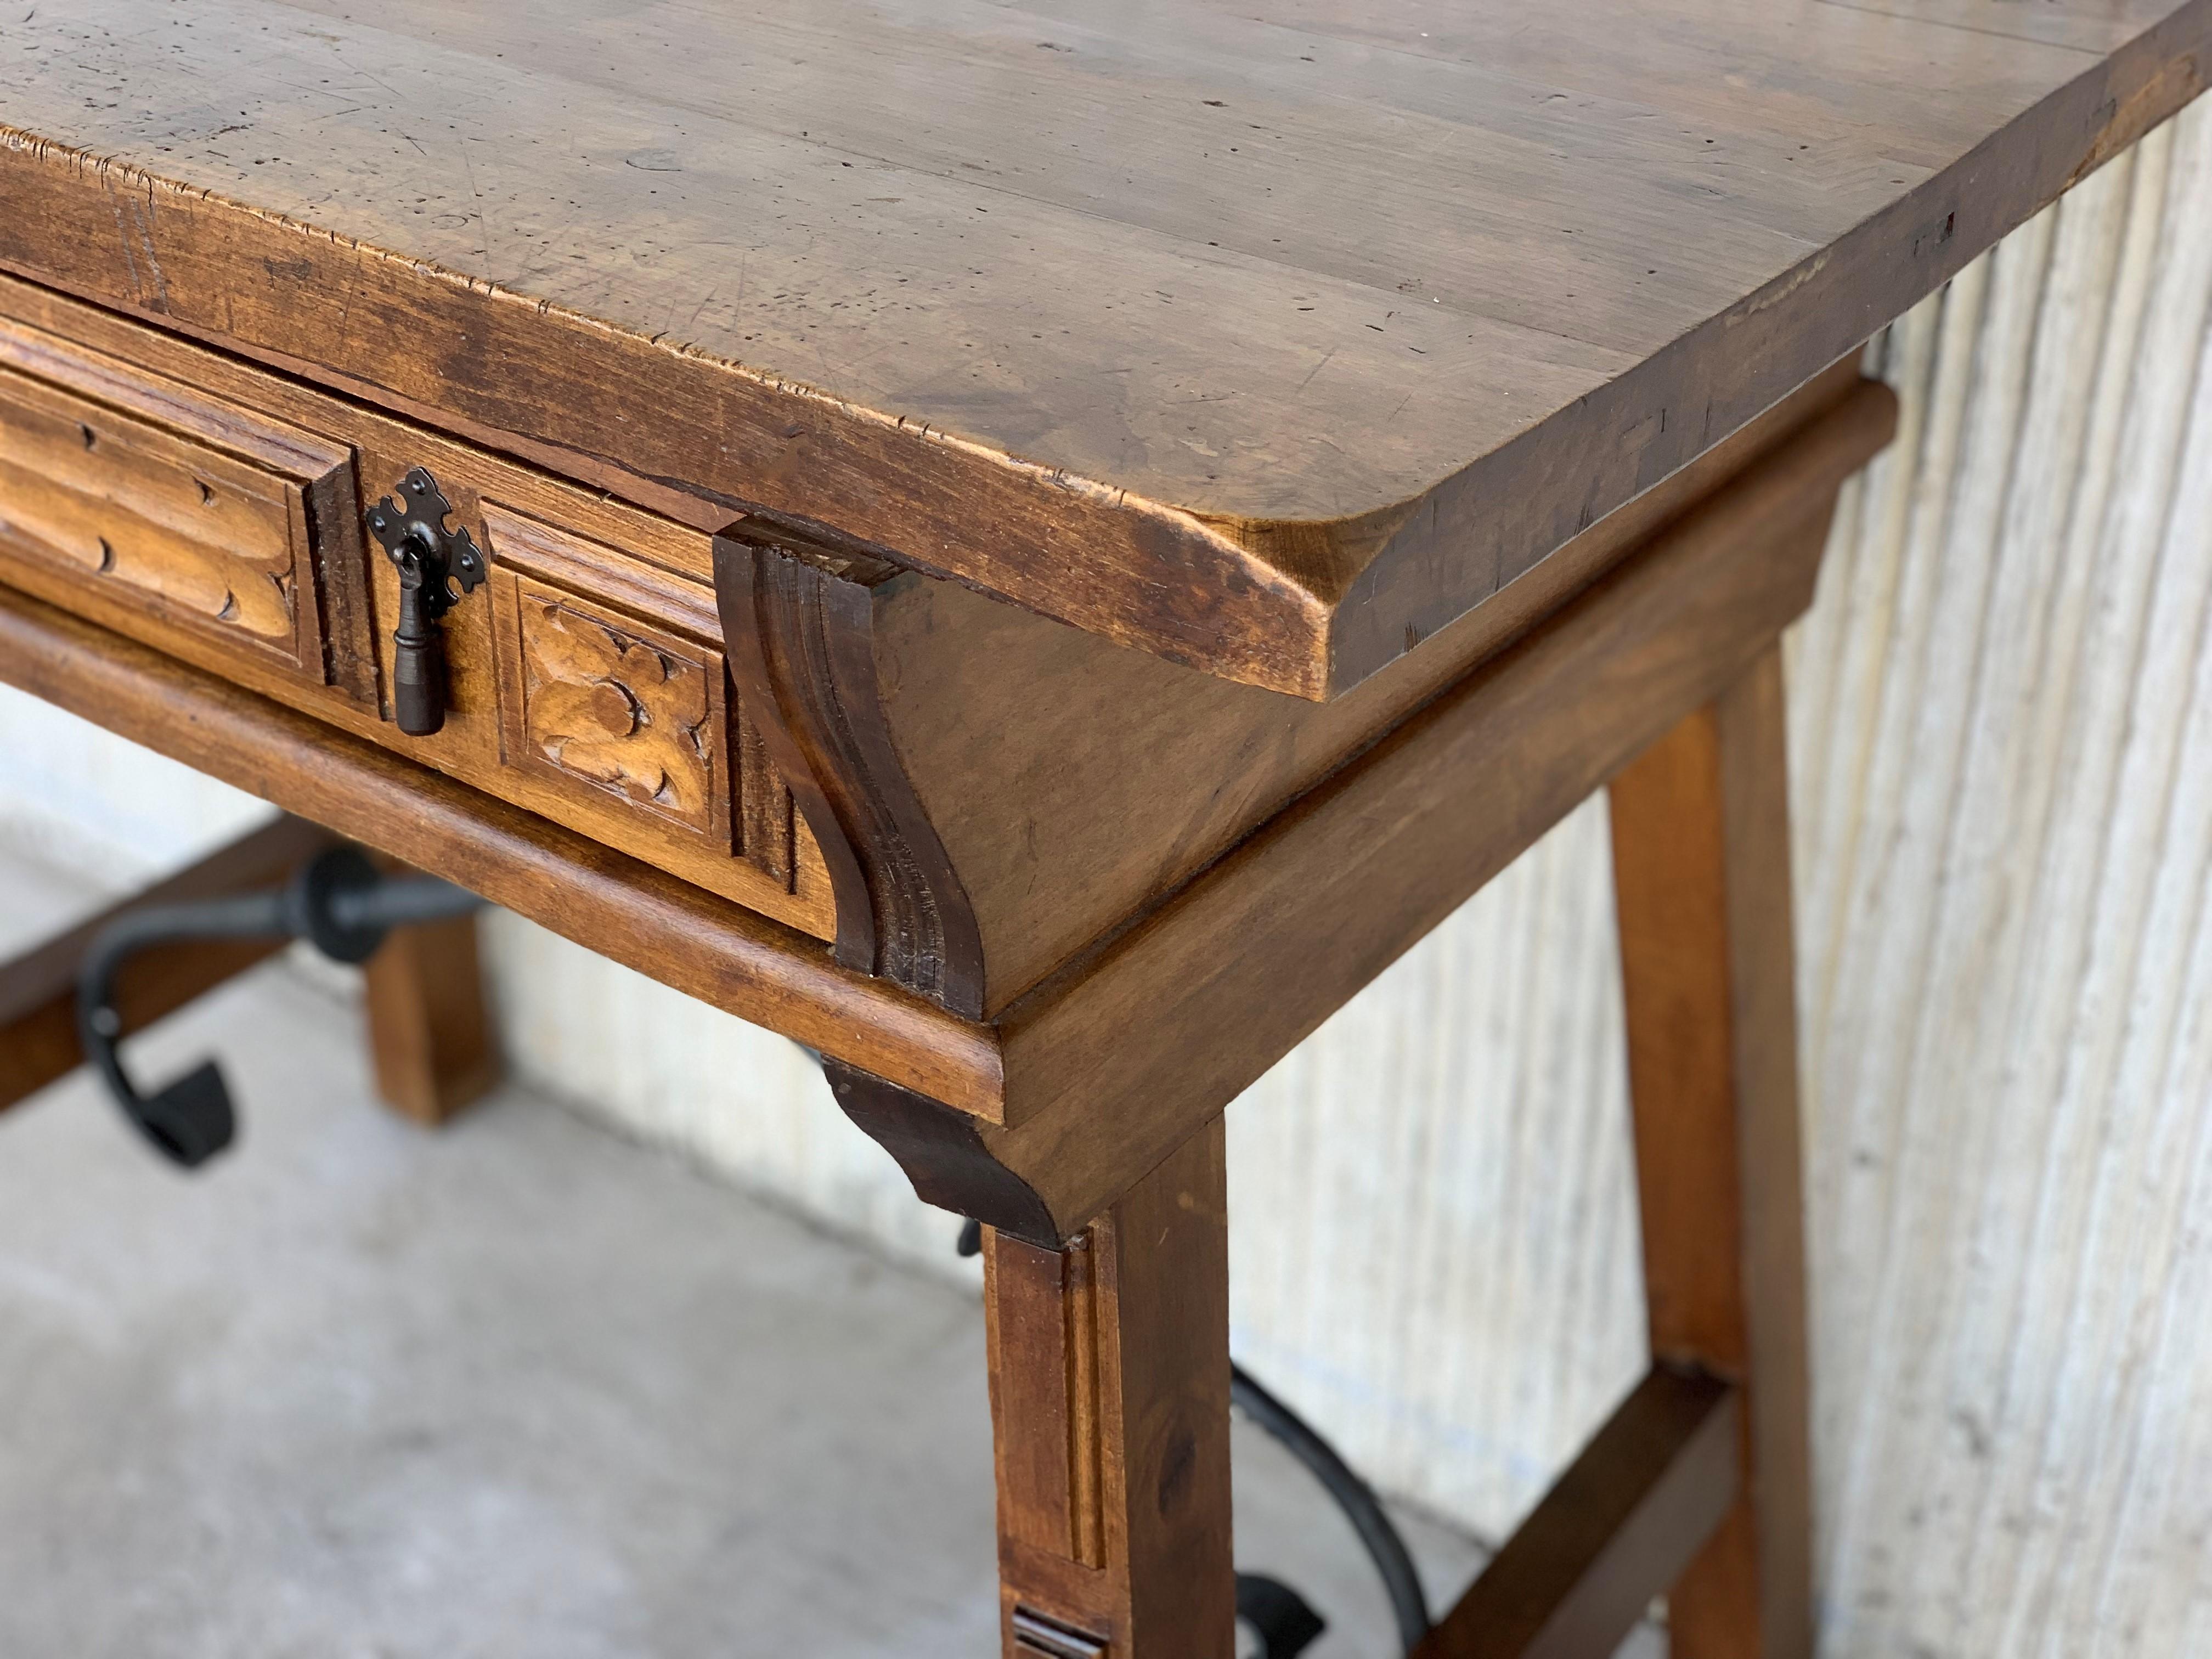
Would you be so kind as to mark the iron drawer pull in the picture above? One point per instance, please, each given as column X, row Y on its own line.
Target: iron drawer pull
column 431, row 558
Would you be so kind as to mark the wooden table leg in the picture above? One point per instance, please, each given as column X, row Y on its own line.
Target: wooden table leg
column 1701, row 857
column 429, row 1034
column 1109, row 1399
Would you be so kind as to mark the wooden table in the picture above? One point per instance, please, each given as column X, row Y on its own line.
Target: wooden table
column 1035, row 549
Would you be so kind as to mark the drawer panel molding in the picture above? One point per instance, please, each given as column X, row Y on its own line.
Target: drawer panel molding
column 218, row 514
column 632, row 712
column 183, row 511
column 613, row 680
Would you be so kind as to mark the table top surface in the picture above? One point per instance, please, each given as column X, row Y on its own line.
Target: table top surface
column 1360, row 310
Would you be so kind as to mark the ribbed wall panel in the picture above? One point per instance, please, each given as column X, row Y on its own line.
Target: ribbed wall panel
column 1434, row 1250
column 2003, row 778
column 2005, row 830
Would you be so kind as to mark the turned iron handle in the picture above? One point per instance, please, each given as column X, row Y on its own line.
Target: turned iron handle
column 430, row 559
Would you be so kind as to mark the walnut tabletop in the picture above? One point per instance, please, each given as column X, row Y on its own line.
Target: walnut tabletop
column 1268, row 337
column 692, row 473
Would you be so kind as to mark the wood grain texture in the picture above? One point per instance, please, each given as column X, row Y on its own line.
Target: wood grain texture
column 430, row 1037
column 604, row 703
column 1615, row 1531
column 1156, row 325
column 2014, row 1374
column 2000, row 848
column 1012, row 780
column 1701, row 876
column 709, row 948
column 1330, row 892
column 189, row 510
column 1110, row 1400
column 1191, row 763
column 1693, row 602
column 1110, row 1064
column 612, row 676
column 38, row 990
column 801, row 625
column 72, row 477
column 648, row 574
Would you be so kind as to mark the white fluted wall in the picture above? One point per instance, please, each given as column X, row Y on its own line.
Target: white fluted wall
column 2004, row 796
column 2002, row 775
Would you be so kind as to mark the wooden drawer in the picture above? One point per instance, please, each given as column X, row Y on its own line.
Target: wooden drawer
column 612, row 683
column 216, row 510
column 192, row 512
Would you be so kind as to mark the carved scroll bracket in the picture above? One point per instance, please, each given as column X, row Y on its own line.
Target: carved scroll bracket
column 797, row 625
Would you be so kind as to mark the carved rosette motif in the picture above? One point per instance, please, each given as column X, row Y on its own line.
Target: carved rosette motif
column 627, row 714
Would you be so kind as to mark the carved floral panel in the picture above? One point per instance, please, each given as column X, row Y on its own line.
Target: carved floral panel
column 603, row 703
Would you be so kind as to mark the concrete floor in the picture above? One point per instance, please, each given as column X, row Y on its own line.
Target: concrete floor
column 515, row 1389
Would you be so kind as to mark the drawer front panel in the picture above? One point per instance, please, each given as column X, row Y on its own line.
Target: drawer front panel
column 184, row 511
column 612, row 683
column 604, row 702
column 216, row 510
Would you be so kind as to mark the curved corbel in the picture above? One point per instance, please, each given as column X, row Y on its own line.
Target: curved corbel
column 797, row 623
column 948, row 1156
